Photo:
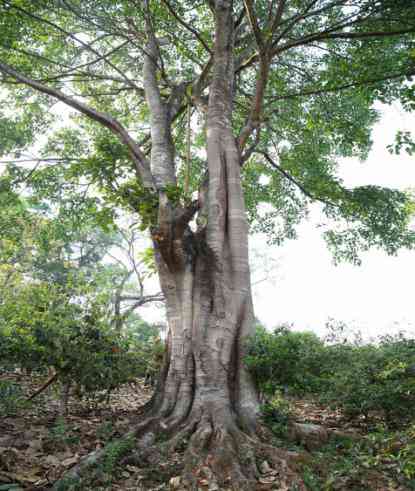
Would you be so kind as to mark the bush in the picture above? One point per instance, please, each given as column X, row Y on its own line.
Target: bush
column 42, row 327
column 373, row 378
column 359, row 378
column 286, row 360
column 277, row 413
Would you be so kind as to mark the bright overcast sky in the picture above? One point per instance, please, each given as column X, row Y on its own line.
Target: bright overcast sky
column 307, row 289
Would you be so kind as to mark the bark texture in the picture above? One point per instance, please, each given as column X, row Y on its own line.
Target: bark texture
column 205, row 401
column 205, row 397
column 205, row 274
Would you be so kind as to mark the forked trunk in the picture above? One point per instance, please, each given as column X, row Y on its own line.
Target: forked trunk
column 205, row 396
column 205, row 400
column 205, row 274
column 208, row 321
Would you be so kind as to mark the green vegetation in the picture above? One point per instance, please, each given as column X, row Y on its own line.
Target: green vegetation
column 357, row 377
column 381, row 457
column 142, row 86
column 370, row 385
column 61, row 309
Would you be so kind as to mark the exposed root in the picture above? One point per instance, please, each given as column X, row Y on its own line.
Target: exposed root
column 217, row 456
column 226, row 458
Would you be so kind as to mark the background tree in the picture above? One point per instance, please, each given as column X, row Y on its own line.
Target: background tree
column 209, row 98
column 64, row 307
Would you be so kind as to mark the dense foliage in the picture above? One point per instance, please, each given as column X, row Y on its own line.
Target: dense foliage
column 63, row 307
column 307, row 75
column 42, row 329
column 360, row 378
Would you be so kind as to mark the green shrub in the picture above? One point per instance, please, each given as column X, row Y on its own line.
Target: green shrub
column 359, row 378
column 285, row 360
column 276, row 413
column 373, row 378
column 42, row 327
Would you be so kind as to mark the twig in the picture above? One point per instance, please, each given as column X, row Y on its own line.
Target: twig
column 44, row 386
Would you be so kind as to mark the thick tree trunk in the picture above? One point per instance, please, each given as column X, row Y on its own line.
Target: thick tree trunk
column 205, row 395
column 204, row 392
column 204, row 373
column 205, row 399
column 205, row 276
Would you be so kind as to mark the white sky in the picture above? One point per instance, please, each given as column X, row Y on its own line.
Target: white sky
column 307, row 289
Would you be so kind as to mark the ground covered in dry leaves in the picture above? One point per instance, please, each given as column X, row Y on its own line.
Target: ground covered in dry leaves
column 38, row 446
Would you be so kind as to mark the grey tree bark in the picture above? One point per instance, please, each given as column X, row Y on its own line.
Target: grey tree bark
column 205, row 396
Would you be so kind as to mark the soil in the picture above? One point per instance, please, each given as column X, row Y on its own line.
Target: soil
column 38, row 446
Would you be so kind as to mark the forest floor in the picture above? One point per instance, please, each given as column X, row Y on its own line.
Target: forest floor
column 38, row 446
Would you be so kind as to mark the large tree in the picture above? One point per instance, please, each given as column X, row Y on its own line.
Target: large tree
column 195, row 114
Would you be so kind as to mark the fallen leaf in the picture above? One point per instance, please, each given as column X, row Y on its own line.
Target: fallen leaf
column 51, row 460
column 70, row 461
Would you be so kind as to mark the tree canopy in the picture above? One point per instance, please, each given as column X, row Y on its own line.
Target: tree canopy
column 306, row 76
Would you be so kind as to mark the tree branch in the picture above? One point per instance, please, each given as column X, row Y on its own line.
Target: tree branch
column 254, row 119
column 252, row 18
column 325, row 36
column 106, row 120
column 44, row 386
column 305, row 14
column 187, row 26
column 162, row 150
column 305, row 93
column 79, row 41
column 278, row 16
column 103, row 57
column 294, row 181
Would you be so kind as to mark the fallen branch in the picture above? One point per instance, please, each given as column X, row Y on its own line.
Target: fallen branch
column 44, row 386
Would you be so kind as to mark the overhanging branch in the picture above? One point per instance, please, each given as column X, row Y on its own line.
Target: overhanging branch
column 348, row 36
column 106, row 120
column 294, row 181
column 350, row 85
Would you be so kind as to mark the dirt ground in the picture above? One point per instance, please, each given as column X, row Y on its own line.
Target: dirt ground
column 38, row 446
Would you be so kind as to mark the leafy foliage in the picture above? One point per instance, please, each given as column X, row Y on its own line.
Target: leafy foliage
column 57, row 301
column 41, row 327
column 359, row 378
column 328, row 63
column 285, row 360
